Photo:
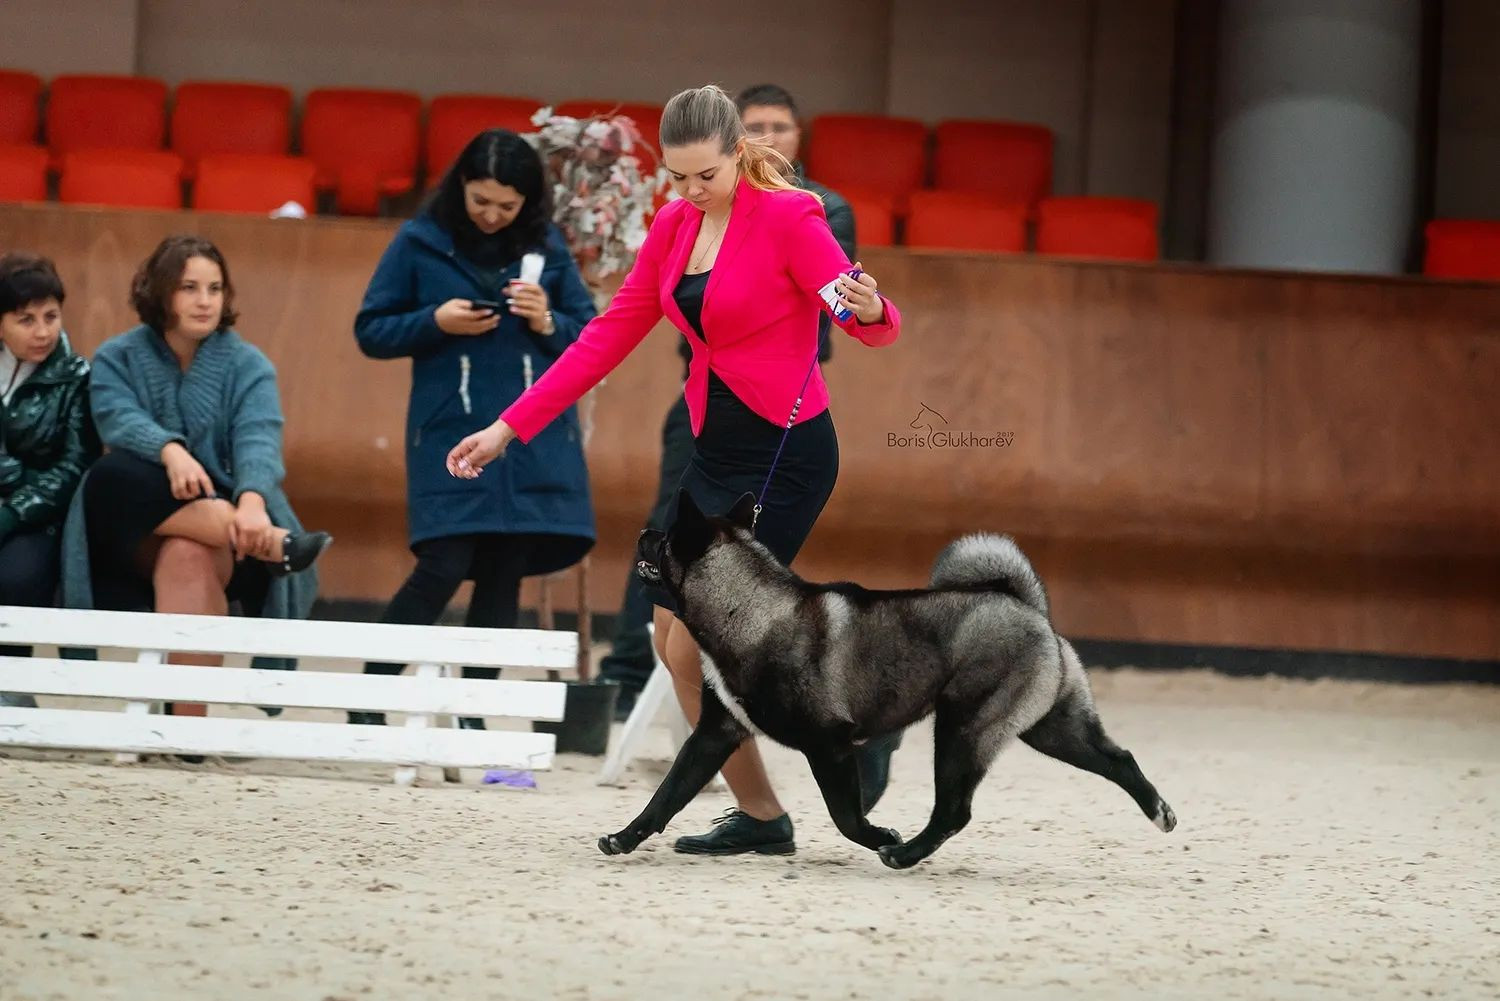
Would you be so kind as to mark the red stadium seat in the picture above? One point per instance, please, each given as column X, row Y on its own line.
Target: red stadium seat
column 105, row 112
column 20, row 107
column 454, row 119
column 23, row 173
column 1117, row 228
column 874, row 224
column 871, row 156
column 959, row 220
column 1463, row 248
column 254, row 182
column 1007, row 160
column 210, row 117
column 365, row 143
column 149, row 179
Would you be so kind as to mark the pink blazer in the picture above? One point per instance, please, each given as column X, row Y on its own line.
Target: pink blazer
column 760, row 312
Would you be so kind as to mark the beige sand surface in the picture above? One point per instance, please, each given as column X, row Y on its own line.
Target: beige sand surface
column 1336, row 840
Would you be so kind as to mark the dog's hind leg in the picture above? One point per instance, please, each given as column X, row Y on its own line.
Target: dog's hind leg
column 838, row 779
column 963, row 750
column 1071, row 732
column 712, row 741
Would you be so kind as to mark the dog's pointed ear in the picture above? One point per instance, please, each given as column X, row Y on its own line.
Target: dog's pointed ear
column 691, row 532
column 743, row 512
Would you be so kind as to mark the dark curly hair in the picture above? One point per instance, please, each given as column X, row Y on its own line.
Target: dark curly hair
column 498, row 155
column 25, row 279
column 159, row 275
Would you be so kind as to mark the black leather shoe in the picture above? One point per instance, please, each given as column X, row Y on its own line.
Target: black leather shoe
column 736, row 833
column 299, row 551
column 875, row 768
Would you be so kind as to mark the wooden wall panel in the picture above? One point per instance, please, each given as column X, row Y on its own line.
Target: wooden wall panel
column 1196, row 456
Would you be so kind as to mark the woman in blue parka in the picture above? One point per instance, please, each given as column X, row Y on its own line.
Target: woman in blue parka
column 532, row 513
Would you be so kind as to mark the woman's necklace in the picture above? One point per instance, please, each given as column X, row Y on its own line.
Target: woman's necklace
column 695, row 265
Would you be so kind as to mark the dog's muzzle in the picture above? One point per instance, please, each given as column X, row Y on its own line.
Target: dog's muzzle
column 648, row 556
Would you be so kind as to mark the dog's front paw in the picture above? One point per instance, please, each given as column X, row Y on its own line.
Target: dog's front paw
column 899, row 856
column 617, row 844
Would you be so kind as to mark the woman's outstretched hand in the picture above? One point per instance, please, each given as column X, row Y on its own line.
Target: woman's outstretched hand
column 469, row 457
column 860, row 295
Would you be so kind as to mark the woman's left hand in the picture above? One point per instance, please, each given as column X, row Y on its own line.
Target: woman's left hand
column 860, row 295
column 251, row 533
column 529, row 302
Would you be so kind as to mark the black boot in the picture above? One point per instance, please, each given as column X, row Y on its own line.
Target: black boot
column 298, row 551
column 736, row 833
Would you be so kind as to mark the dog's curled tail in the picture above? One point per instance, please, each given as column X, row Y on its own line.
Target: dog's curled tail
column 995, row 561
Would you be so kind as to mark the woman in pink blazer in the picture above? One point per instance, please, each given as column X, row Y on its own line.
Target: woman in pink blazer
column 737, row 264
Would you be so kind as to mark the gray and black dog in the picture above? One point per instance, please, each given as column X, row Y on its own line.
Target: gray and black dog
column 823, row 667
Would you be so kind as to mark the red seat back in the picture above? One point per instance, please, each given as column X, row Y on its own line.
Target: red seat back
column 20, row 107
column 105, row 112
column 871, row 155
column 1008, row 160
column 1462, row 248
column 365, row 143
column 1117, row 228
column 454, row 119
column 960, row 220
column 210, row 117
column 254, row 182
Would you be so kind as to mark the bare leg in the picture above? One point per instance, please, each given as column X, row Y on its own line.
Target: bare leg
column 190, row 578
column 207, row 522
column 744, row 771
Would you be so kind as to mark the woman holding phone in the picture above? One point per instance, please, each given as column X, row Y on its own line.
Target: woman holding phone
column 449, row 294
column 742, row 264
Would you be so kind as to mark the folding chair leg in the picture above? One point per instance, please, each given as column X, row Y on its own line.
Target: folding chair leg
column 407, row 774
column 154, row 658
column 648, row 704
column 656, row 694
column 450, row 721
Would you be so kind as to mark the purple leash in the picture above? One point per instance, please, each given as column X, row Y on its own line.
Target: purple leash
column 760, row 502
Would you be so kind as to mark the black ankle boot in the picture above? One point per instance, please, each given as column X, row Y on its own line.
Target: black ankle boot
column 736, row 833
column 299, row 550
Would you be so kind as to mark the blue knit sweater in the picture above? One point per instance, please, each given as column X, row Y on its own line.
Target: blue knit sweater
column 224, row 409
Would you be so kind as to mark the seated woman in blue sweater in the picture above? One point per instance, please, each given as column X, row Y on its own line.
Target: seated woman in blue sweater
column 185, row 513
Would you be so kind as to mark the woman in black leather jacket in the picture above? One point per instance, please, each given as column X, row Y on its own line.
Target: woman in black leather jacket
column 47, row 439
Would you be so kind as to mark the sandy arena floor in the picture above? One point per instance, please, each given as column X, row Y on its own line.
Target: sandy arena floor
column 1336, row 840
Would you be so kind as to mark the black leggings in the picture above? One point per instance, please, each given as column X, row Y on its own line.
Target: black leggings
column 496, row 563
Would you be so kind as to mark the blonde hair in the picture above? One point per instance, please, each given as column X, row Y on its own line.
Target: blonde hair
column 709, row 114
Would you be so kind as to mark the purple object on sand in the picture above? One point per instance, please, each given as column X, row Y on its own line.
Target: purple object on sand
column 504, row 776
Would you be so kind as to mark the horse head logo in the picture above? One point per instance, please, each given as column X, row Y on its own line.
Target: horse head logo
column 928, row 419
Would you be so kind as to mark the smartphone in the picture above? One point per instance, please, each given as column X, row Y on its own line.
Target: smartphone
column 489, row 304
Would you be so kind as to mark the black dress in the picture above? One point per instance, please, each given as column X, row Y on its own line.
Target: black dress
column 125, row 498
column 733, row 453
